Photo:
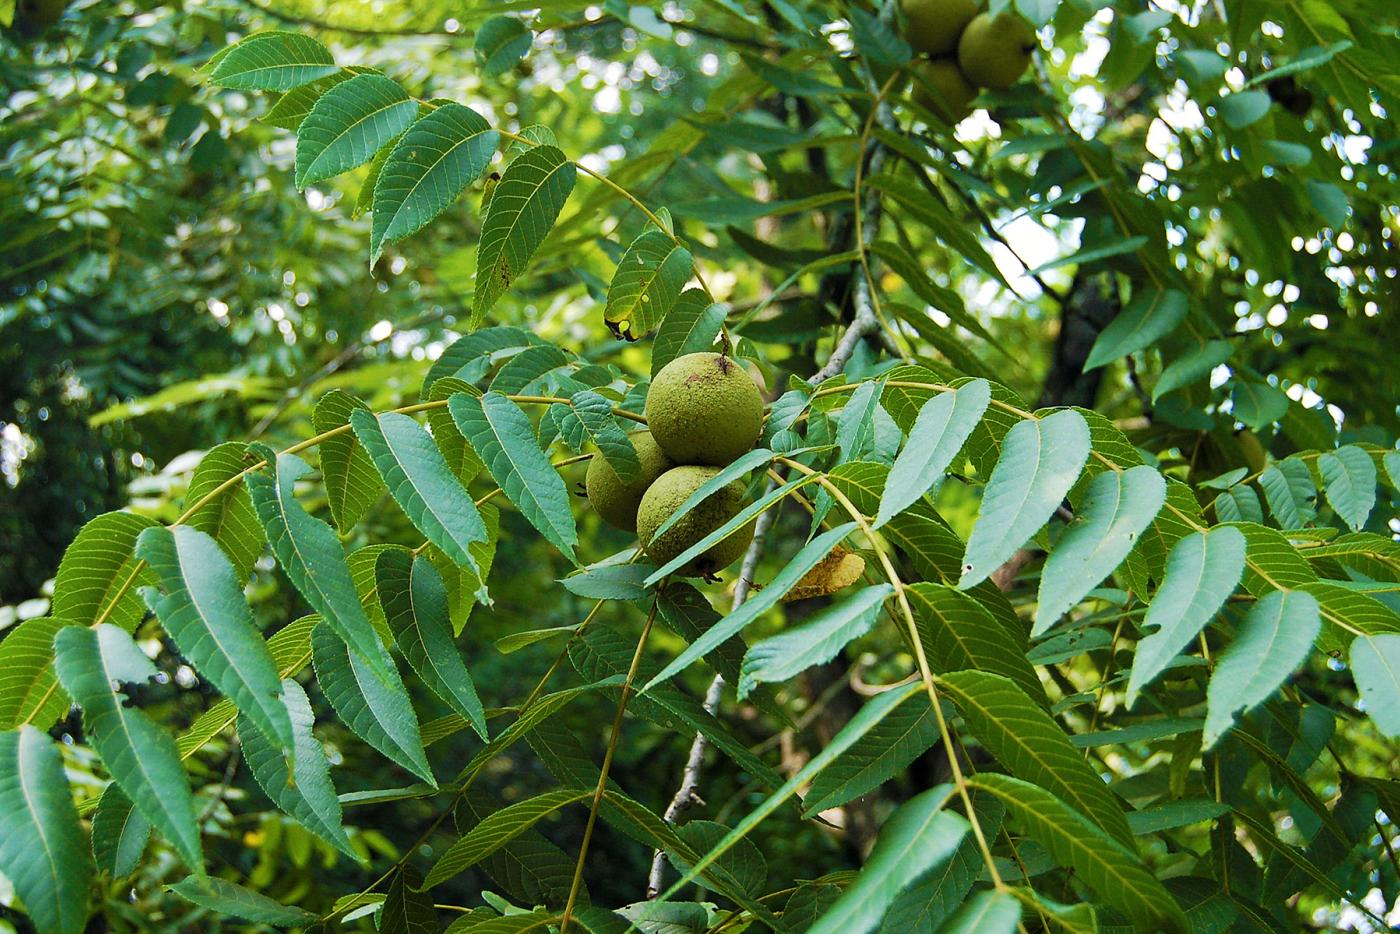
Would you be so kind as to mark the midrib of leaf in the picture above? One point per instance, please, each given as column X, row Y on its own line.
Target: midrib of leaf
column 31, row 803
column 301, row 662
column 520, row 474
column 408, row 477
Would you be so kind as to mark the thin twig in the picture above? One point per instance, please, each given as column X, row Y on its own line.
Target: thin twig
column 603, row 772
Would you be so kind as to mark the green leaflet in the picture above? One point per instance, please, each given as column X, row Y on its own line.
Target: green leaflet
column 306, row 793
column 29, row 692
column 1350, row 478
column 498, row 829
column 1375, row 664
column 142, row 757
column 204, row 611
column 291, row 649
column 42, row 851
column 312, row 556
column 407, row 909
column 422, row 484
column 228, row 898
column 348, row 125
column 526, row 202
column 274, row 62
column 415, row 604
column 1273, row 639
column 228, row 517
column 896, row 741
column 1203, row 569
column 943, row 426
column 1032, row 746
column 376, row 709
column 595, row 415
column 1149, row 317
column 1115, row 510
column 529, row 868
column 1039, row 463
column 692, row 326
column 958, row 632
column 817, row 640
column 351, row 482
column 119, row 833
column 501, row 41
column 99, row 574
column 987, row 912
column 504, row 438
column 917, row 838
column 427, row 169
column 648, row 280
column 1192, row 366
column 806, row 559
column 1112, row 870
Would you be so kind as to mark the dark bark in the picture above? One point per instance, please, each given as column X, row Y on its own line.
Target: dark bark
column 1093, row 302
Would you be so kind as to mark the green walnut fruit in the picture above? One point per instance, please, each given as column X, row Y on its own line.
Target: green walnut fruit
column 933, row 26
column 703, row 408
column 995, row 51
column 616, row 501
column 940, row 86
column 666, row 495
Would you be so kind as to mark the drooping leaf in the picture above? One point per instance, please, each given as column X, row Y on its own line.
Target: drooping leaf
column 1028, row 742
column 1375, row 663
column 987, row 912
column 422, row 484
column 42, row 851
column 1203, row 569
column 887, row 749
column 1350, row 477
column 1289, row 491
column 415, row 604
column 500, row 42
column 1192, row 366
column 648, row 280
column 595, row 416
column 141, row 756
column 1108, row 867
column 1115, row 510
column 944, row 424
column 816, row 641
column 427, row 169
column 349, row 124
column 916, row 839
column 229, row 898
column 100, row 573
column 1040, row 461
column 274, row 62
column 1273, row 639
column 204, row 611
column 407, row 909
column 306, row 793
column 352, row 485
column 526, row 202
column 29, row 692
column 376, row 708
column 1149, row 317
column 691, row 327
column 498, row 829
column 311, row 555
column 757, row 604
column 119, row 833
column 228, row 515
column 504, row 438
column 529, row 868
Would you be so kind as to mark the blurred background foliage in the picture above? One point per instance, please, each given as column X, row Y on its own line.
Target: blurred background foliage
column 164, row 287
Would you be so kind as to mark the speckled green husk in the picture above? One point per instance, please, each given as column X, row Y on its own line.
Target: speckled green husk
column 666, row 495
column 703, row 408
column 616, row 501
